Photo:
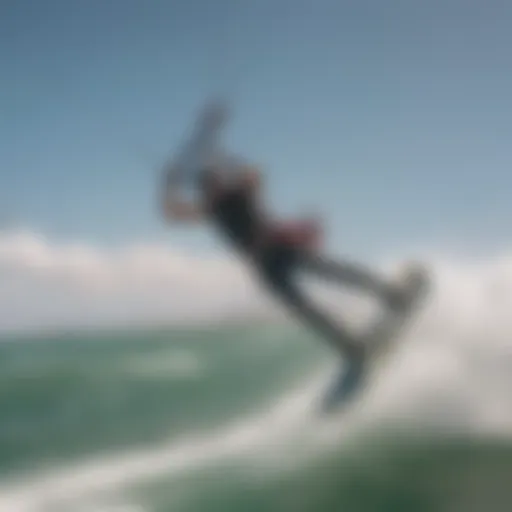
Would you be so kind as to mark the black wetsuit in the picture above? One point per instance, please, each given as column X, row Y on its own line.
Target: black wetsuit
column 235, row 215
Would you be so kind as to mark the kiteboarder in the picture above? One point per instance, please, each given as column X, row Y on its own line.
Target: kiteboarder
column 231, row 201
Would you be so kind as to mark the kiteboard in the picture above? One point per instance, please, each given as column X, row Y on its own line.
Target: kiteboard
column 380, row 343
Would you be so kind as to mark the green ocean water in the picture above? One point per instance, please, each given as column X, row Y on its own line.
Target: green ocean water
column 215, row 420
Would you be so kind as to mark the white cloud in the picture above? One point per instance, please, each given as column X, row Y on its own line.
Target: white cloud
column 46, row 284
column 52, row 285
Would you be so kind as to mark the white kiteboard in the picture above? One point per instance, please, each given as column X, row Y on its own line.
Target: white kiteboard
column 380, row 343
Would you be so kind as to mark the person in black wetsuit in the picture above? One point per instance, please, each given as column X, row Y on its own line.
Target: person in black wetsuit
column 276, row 251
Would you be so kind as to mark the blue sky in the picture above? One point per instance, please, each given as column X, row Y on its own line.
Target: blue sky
column 391, row 119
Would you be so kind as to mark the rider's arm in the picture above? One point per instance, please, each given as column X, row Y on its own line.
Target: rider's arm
column 177, row 210
column 175, row 207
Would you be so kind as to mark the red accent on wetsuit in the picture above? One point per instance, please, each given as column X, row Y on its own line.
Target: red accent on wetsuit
column 234, row 212
column 306, row 232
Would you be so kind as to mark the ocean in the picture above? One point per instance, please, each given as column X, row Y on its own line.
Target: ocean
column 226, row 418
